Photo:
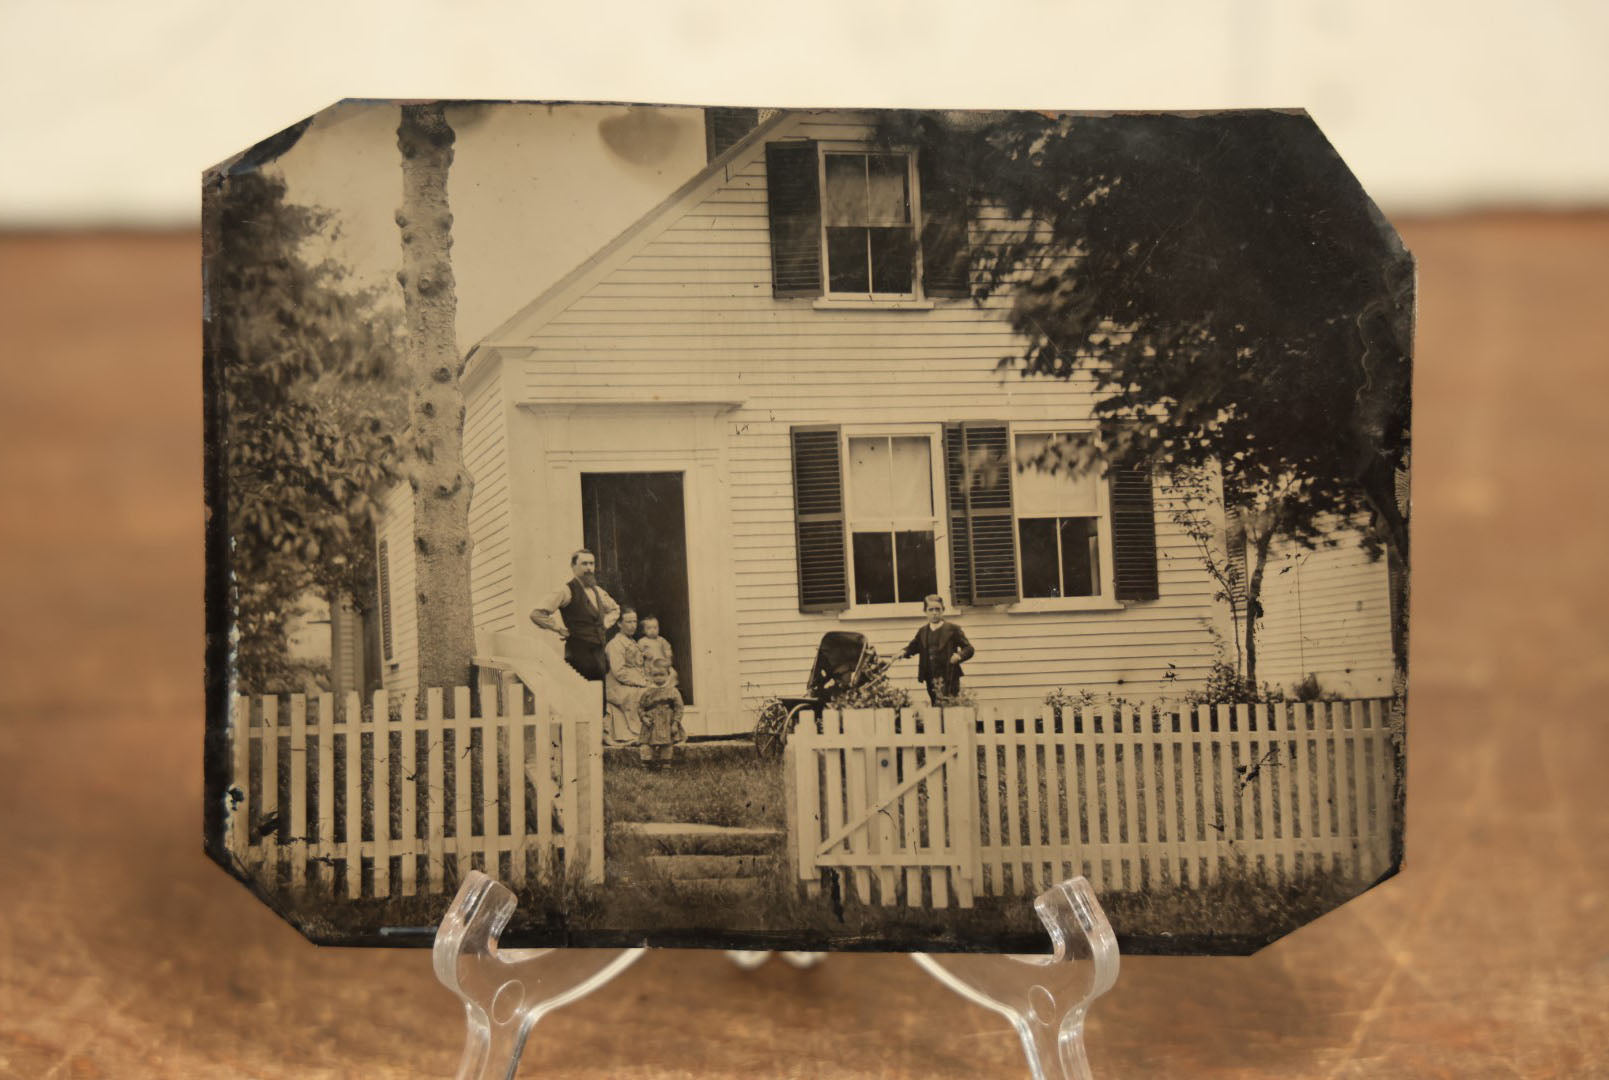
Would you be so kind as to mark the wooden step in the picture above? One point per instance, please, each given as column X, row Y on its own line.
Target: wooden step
column 726, row 886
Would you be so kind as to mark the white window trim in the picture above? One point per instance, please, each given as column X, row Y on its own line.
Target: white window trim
column 1106, row 601
column 831, row 300
column 934, row 433
column 838, row 304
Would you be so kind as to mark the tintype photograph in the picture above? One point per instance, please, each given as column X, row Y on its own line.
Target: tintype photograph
column 814, row 529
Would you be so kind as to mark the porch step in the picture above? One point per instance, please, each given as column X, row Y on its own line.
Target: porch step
column 687, row 838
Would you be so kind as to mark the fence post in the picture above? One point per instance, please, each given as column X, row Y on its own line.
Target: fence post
column 575, row 851
column 354, row 795
column 943, row 789
column 408, row 777
column 324, row 868
column 1126, row 721
column 962, row 793
column 880, row 779
column 380, row 798
column 463, row 766
column 490, row 794
column 513, row 713
column 583, row 792
column 594, row 749
column 298, row 771
column 240, row 792
column 435, row 791
column 792, row 791
column 1174, row 791
column 271, row 809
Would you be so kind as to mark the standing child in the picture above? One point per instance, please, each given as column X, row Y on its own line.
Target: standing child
column 942, row 648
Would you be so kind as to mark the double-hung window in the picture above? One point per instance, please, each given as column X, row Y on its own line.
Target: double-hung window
column 850, row 222
column 868, row 224
column 893, row 526
column 1062, row 524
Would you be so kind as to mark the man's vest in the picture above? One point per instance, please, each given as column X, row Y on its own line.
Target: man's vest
column 581, row 617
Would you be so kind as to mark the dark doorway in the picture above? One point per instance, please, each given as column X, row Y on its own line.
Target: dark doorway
column 636, row 524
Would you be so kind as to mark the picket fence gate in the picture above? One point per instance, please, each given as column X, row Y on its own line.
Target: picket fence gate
column 929, row 807
column 398, row 801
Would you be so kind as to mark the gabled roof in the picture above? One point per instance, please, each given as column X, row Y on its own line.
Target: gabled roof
column 551, row 301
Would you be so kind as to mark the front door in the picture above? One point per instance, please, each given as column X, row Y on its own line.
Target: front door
column 636, row 525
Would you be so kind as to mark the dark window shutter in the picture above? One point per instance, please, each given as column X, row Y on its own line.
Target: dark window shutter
column 955, row 497
column 1236, row 544
column 983, row 475
column 946, row 251
column 818, row 514
column 793, row 195
column 1134, row 567
column 384, row 559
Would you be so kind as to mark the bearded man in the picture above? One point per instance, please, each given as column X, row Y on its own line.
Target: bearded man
column 589, row 612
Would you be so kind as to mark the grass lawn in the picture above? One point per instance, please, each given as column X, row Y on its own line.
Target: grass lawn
column 717, row 786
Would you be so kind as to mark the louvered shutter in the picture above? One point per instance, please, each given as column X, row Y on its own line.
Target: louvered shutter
column 946, row 251
column 793, row 196
column 983, row 531
column 1236, row 543
column 818, row 515
column 1134, row 568
column 955, row 497
column 384, row 559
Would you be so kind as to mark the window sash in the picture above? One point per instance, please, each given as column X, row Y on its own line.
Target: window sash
column 1066, row 561
column 846, row 228
column 875, row 520
column 1084, row 501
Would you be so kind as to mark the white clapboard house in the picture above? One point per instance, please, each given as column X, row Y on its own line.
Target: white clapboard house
column 755, row 404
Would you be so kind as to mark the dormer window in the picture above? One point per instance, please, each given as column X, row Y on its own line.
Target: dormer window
column 856, row 223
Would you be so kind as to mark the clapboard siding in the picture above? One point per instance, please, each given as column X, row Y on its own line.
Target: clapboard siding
column 1326, row 612
column 400, row 672
column 491, row 564
column 1020, row 653
column 682, row 310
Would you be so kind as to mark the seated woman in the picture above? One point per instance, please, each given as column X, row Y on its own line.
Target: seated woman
column 624, row 684
column 660, row 706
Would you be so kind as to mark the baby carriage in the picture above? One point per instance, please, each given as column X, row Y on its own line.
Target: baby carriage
column 845, row 661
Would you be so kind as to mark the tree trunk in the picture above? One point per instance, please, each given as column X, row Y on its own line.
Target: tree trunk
column 433, row 453
column 1391, row 526
column 1254, row 605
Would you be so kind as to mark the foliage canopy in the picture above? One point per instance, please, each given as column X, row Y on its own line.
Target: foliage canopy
column 1222, row 279
column 304, row 367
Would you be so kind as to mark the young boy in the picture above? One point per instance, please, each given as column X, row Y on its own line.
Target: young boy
column 942, row 648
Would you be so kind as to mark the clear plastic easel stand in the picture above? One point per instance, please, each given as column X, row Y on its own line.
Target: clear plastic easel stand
column 506, row 993
column 1045, row 997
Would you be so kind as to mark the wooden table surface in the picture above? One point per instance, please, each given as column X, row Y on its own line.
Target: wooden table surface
column 125, row 953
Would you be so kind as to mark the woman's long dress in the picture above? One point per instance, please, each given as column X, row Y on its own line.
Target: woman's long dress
column 623, row 688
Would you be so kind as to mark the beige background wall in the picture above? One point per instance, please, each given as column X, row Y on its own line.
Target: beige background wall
column 113, row 109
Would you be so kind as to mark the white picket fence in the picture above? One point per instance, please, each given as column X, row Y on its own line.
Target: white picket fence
column 397, row 800
column 929, row 807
